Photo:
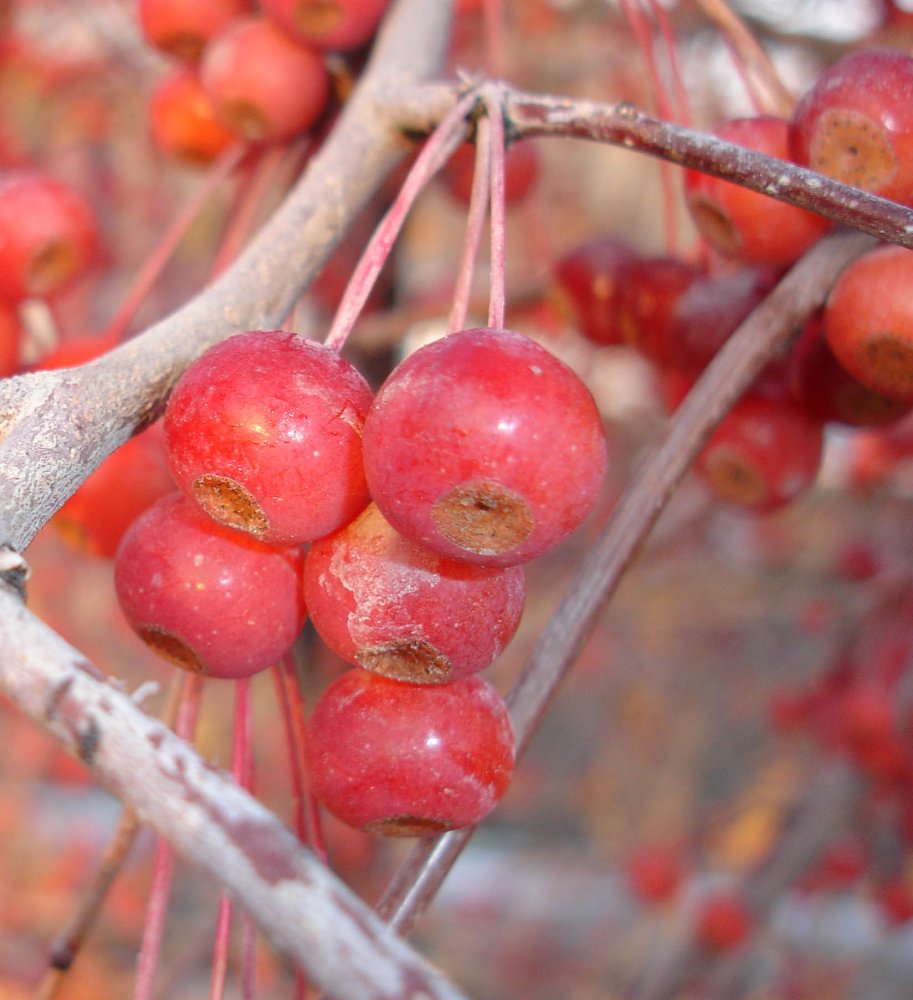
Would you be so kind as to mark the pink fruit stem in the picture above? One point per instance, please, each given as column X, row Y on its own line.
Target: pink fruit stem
column 495, row 47
column 155, row 263
column 163, row 866
column 437, row 149
column 240, row 769
column 475, row 222
column 496, row 299
column 258, row 183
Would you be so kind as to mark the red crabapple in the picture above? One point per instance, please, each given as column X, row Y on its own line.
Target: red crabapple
column 182, row 28
column 586, row 286
column 654, row 873
column 49, row 235
column 409, row 760
column 386, row 604
column 521, row 170
column 649, row 288
column 722, row 922
column 330, row 25
column 763, row 455
column 204, row 596
column 827, row 391
column 265, row 86
column 183, row 120
column 264, row 432
column 854, row 123
column 484, row 447
column 868, row 321
column 744, row 224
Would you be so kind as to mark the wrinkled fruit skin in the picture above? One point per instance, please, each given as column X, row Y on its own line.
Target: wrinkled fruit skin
column 386, row 604
column 409, row 760
column 484, row 447
column 264, row 432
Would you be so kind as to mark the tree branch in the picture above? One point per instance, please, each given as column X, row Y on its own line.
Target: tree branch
column 301, row 907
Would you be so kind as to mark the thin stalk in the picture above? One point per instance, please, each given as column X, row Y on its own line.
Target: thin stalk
column 163, row 866
column 66, row 946
column 498, row 229
column 475, row 223
column 157, row 260
column 437, row 149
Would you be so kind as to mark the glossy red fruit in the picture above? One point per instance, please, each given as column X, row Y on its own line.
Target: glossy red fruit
column 183, row 121
column 409, row 760
column 128, row 482
column 182, row 28
column 264, row 432
column 205, row 597
column 828, row 392
column 895, row 900
column 265, row 86
column 386, row 604
column 743, row 224
column 484, row 447
column 854, row 123
column 521, row 171
column 586, row 286
column 722, row 922
column 49, row 235
column 331, row 25
column 763, row 455
column 654, row 873
column 868, row 321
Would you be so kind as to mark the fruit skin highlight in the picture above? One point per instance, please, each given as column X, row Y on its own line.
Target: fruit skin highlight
column 484, row 447
column 409, row 760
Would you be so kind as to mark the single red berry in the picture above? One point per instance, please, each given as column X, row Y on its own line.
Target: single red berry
column 854, row 123
column 49, row 235
column 264, row 432
column 764, row 454
column 183, row 120
column 388, row 605
column 409, row 760
column 521, row 171
column 648, row 292
column 868, row 321
column 722, row 922
column 129, row 481
column 654, row 873
column 828, row 392
column 484, row 447
column 709, row 310
column 265, row 86
column 205, row 597
column 331, row 25
column 586, row 286
column 895, row 899
column 182, row 28
column 842, row 863
column 741, row 223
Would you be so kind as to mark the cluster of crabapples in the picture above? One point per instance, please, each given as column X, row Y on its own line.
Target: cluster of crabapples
column 480, row 452
column 245, row 72
column 851, row 364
